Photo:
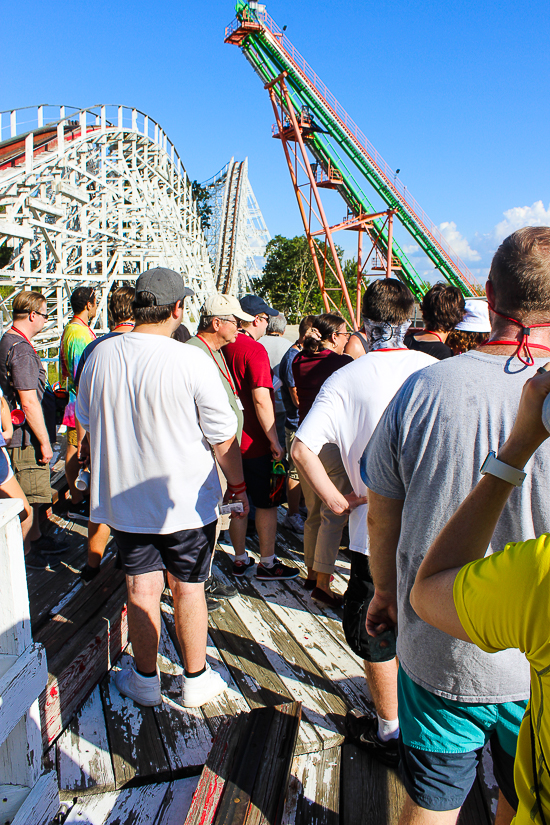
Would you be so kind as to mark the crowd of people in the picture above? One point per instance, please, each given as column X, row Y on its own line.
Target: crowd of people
column 389, row 430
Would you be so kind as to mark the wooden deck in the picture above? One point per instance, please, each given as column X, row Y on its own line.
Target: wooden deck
column 272, row 644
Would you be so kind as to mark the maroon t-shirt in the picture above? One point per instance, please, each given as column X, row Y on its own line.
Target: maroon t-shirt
column 249, row 365
column 310, row 373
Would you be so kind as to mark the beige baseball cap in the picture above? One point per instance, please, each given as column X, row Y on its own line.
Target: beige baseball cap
column 220, row 304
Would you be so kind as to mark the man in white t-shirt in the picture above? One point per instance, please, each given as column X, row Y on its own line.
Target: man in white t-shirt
column 154, row 411
column 346, row 413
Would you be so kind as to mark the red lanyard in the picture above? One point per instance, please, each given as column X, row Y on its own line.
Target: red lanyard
column 124, row 324
column 524, row 340
column 88, row 327
column 226, row 375
column 23, row 335
column 431, row 332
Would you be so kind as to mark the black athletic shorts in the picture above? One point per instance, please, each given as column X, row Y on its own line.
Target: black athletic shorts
column 257, row 475
column 357, row 598
column 185, row 554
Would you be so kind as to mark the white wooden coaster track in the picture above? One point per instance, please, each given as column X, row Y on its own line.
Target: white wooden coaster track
column 93, row 196
column 237, row 235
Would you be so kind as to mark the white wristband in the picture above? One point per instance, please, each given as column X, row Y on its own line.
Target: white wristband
column 501, row 470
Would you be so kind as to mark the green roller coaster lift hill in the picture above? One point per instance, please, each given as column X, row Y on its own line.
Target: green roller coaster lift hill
column 342, row 150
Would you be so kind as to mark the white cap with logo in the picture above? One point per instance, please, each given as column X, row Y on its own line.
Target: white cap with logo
column 220, row 304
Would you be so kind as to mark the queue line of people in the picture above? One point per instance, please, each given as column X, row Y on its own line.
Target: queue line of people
column 382, row 426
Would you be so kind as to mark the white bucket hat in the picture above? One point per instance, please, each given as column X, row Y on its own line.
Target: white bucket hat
column 476, row 317
column 221, row 304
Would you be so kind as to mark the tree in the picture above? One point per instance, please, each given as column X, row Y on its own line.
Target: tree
column 201, row 196
column 289, row 282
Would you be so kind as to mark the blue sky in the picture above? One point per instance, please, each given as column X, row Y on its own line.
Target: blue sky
column 455, row 95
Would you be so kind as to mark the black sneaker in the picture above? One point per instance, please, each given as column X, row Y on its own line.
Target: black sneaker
column 79, row 512
column 218, row 590
column 278, row 572
column 363, row 732
column 212, row 604
column 240, row 568
column 88, row 574
column 37, row 561
column 48, row 546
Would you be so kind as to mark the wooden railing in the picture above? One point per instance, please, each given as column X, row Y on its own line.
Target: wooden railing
column 28, row 796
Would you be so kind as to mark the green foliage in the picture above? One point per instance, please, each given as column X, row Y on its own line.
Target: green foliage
column 201, row 198
column 289, row 282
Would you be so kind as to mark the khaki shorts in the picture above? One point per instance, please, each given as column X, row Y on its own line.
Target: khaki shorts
column 289, row 438
column 33, row 477
column 72, row 437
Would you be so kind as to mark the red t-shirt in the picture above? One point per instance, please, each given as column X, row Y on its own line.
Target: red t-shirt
column 310, row 373
column 249, row 365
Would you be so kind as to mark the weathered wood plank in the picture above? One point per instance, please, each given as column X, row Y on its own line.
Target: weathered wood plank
column 272, row 781
column 20, row 686
column 334, row 659
column 370, row 792
column 177, row 801
column 186, row 736
column 41, row 805
column 81, row 605
column 83, row 757
column 216, row 771
column 136, row 746
column 231, row 702
column 323, row 707
column 94, row 808
column 138, row 806
column 313, row 794
column 246, row 658
column 80, row 665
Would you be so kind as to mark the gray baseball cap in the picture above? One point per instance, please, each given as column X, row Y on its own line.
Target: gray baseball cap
column 165, row 284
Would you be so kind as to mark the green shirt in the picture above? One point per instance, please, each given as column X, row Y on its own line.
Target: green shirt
column 223, row 371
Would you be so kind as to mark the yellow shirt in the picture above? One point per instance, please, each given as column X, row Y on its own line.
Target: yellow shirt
column 503, row 601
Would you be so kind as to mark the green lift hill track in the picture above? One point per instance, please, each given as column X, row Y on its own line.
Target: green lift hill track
column 337, row 141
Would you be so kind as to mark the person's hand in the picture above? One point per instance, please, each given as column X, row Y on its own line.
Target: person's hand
column 528, row 432
column 277, row 451
column 47, row 453
column 229, row 498
column 84, row 452
column 382, row 613
column 355, row 501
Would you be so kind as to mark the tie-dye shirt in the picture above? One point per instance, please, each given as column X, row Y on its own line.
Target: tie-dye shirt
column 76, row 337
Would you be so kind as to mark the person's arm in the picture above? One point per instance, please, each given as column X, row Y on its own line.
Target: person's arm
column 228, row 455
column 467, row 535
column 294, row 396
column 7, row 425
column 311, row 467
column 35, row 419
column 384, row 523
column 354, row 347
column 263, row 406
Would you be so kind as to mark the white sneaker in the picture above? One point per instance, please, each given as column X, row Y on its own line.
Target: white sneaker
column 295, row 523
column 143, row 690
column 201, row 689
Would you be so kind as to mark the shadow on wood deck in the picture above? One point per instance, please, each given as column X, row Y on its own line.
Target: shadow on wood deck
column 121, row 763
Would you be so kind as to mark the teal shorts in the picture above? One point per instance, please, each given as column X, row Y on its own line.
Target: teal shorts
column 432, row 723
column 441, row 742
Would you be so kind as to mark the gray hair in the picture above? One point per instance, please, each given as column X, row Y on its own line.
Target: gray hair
column 206, row 320
column 277, row 324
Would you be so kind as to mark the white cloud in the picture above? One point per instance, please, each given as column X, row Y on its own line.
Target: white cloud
column 458, row 243
column 411, row 248
column 518, row 216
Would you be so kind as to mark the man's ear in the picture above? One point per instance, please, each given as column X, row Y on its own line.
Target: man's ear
column 490, row 292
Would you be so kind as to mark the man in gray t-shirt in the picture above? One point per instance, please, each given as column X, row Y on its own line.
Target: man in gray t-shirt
column 421, row 462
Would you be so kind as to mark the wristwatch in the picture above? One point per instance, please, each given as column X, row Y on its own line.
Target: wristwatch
column 501, row 470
